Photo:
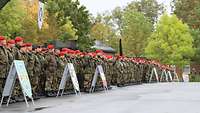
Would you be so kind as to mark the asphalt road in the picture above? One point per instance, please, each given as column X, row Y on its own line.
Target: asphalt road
column 146, row 98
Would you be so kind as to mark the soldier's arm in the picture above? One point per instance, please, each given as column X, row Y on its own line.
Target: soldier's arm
column 2, row 58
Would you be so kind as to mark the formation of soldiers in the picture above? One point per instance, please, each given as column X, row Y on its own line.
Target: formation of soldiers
column 45, row 67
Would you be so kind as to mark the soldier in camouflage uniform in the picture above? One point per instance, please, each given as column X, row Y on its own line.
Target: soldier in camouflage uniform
column 87, row 72
column 41, row 52
column 30, row 66
column 50, row 71
column 120, row 71
column 17, row 55
column 37, row 70
column 11, row 56
column 18, row 91
column 4, row 63
column 59, row 71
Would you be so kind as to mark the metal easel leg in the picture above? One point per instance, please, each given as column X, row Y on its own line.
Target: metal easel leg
column 8, row 100
column 1, row 101
column 33, row 101
column 58, row 93
column 62, row 92
column 27, row 105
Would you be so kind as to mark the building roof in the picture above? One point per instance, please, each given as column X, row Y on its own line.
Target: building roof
column 100, row 45
column 68, row 44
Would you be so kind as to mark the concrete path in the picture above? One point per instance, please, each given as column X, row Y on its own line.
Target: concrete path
column 146, row 98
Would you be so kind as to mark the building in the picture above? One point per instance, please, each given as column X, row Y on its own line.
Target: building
column 101, row 46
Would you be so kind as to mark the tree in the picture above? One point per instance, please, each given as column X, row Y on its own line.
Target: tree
column 171, row 42
column 196, row 37
column 3, row 3
column 11, row 18
column 67, row 31
column 101, row 31
column 61, row 10
column 128, row 24
column 50, row 29
column 29, row 30
column 116, row 17
column 104, row 33
column 63, row 20
column 189, row 12
column 150, row 8
column 136, row 28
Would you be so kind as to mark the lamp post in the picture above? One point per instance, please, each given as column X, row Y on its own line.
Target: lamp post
column 120, row 47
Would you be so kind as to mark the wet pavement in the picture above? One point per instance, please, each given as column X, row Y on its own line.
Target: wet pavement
column 146, row 98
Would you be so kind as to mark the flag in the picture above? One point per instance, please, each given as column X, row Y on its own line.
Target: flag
column 40, row 14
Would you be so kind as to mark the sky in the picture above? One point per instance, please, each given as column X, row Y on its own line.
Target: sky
column 100, row 6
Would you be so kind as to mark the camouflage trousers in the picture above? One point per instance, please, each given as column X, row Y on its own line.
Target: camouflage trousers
column 87, row 81
column 41, row 84
column 49, row 81
column 2, row 82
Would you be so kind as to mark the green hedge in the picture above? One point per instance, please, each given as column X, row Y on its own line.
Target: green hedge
column 194, row 78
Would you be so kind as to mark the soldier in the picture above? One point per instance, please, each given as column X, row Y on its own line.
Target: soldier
column 10, row 46
column 61, row 66
column 42, row 75
column 19, row 42
column 31, row 63
column 120, row 72
column 59, row 71
column 3, row 62
column 50, row 71
column 36, row 70
column 109, row 68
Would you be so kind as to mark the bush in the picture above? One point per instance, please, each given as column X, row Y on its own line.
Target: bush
column 194, row 78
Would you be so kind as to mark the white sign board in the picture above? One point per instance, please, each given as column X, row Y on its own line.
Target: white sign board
column 99, row 72
column 154, row 72
column 186, row 70
column 164, row 74
column 69, row 72
column 10, row 82
column 17, row 70
column 23, row 78
column 186, row 78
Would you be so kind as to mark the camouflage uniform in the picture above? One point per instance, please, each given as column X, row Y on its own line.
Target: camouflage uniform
column 88, row 74
column 41, row 74
column 19, row 55
column 50, row 73
column 4, row 66
column 36, row 74
column 69, row 85
column 30, row 65
column 59, row 72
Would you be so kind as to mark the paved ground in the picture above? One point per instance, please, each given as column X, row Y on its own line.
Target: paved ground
column 146, row 98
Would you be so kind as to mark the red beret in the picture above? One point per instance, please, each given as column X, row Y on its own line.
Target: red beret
column 18, row 39
column 28, row 44
column 50, row 46
column 65, row 49
column 11, row 42
column 62, row 53
column 77, row 52
column 99, row 51
column 23, row 45
column 72, row 51
column 2, row 38
column 109, row 57
column 44, row 49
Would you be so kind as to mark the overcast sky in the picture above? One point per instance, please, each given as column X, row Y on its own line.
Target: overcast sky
column 99, row 6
